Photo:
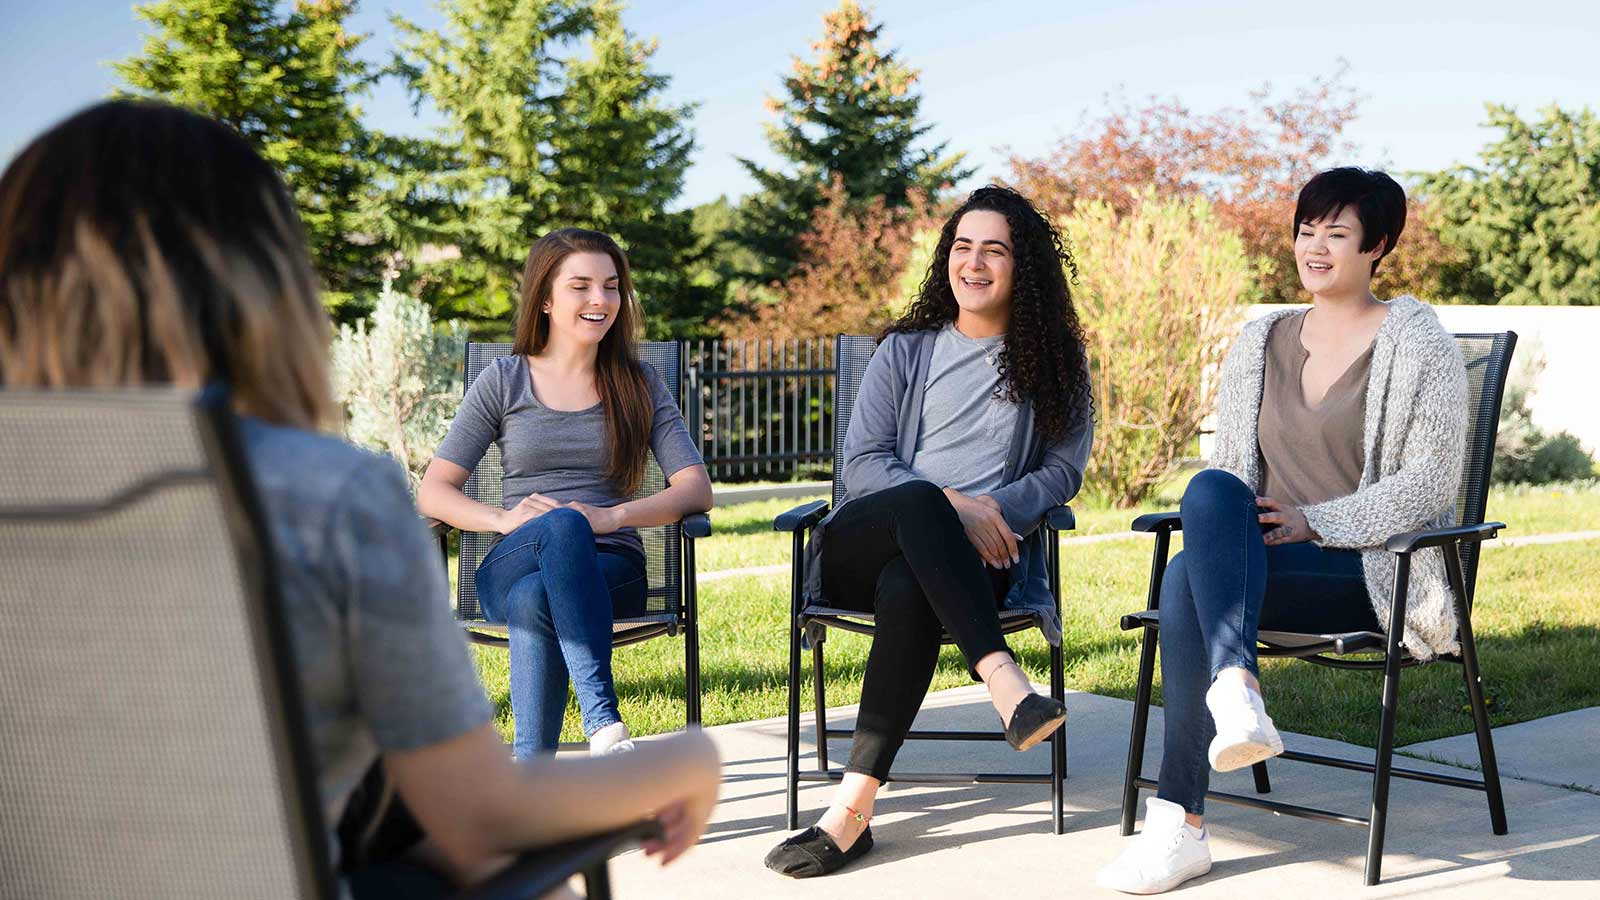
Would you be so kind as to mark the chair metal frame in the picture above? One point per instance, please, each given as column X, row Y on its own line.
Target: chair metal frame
column 1459, row 547
column 684, row 618
column 216, row 427
column 851, row 353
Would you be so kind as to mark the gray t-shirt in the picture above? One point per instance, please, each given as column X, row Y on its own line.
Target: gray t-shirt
column 966, row 425
column 383, row 665
column 556, row 453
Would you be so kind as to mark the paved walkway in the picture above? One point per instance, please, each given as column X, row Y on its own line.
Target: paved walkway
column 995, row 840
column 1556, row 750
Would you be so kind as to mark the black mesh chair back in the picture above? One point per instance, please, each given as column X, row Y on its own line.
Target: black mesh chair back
column 145, row 750
column 852, row 352
column 1488, row 359
column 662, row 545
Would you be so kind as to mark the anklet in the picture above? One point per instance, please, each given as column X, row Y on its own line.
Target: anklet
column 856, row 814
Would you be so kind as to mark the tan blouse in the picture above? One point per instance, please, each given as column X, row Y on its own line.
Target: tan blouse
column 1309, row 454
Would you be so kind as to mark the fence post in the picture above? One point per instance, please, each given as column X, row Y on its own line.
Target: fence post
column 695, row 407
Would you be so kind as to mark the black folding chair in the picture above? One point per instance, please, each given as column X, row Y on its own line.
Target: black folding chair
column 851, row 354
column 671, row 602
column 157, row 748
column 1488, row 358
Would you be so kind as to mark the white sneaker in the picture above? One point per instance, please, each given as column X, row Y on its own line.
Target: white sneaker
column 1245, row 734
column 613, row 738
column 1162, row 856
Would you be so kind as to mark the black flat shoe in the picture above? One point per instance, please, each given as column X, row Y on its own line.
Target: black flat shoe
column 1033, row 720
column 812, row 852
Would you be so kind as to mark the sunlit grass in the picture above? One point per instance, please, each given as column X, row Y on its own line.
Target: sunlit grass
column 1537, row 623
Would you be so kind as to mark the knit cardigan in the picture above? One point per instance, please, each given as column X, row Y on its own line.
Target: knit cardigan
column 1413, row 440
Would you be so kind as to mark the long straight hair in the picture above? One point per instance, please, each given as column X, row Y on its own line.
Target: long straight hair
column 624, row 394
column 143, row 244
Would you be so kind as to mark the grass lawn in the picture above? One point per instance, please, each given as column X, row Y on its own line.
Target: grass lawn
column 1537, row 623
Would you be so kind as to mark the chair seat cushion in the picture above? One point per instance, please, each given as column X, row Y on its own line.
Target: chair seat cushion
column 1285, row 643
column 1011, row 620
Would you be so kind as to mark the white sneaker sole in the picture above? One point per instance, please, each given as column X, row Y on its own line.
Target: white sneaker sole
column 1194, row 870
column 1239, row 752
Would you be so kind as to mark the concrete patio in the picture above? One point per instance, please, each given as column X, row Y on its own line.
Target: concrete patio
column 995, row 840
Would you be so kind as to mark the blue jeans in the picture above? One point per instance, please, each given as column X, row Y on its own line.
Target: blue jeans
column 1225, row 585
column 559, row 594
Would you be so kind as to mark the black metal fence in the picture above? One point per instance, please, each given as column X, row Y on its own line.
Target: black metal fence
column 761, row 409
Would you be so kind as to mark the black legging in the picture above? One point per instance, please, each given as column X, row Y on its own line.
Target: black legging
column 902, row 554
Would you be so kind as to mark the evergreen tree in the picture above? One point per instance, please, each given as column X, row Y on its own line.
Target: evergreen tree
column 536, row 139
column 852, row 113
column 1527, row 217
column 283, row 79
column 619, row 156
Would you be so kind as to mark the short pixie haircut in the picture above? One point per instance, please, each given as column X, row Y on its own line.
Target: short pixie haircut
column 1379, row 202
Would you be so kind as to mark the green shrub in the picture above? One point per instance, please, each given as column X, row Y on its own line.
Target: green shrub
column 398, row 376
column 1160, row 293
column 1523, row 452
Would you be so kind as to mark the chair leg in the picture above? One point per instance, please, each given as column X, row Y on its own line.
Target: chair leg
column 1141, row 719
column 1380, row 775
column 1058, row 746
column 597, row 882
column 819, row 693
column 1263, row 783
column 1474, row 679
column 793, row 771
column 691, row 668
column 691, row 638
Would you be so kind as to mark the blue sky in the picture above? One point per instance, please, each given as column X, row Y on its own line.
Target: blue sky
column 994, row 75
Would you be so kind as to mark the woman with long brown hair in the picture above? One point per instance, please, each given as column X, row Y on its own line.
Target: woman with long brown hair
column 573, row 412
column 141, row 244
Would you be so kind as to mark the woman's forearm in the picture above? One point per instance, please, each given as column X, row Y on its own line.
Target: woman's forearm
column 689, row 492
column 481, row 808
column 450, row 505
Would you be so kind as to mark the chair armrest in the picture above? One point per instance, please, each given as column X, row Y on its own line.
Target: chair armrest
column 1161, row 521
column 695, row 525
column 805, row 515
column 1412, row 541
column 1061, row 518
column 536, row 873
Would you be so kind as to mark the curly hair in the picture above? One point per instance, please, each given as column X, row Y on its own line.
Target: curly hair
column 1043, row 360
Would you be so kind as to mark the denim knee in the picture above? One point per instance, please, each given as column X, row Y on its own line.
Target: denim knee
column 565, row 526
column 1211, row 488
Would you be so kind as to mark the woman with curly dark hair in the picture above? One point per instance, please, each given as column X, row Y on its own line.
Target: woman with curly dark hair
column 973, row 420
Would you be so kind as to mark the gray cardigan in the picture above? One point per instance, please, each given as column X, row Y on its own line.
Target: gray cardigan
column 881, row 442
column 1413, row 442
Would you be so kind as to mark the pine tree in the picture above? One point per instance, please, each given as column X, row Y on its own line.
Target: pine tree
column 284, row 80
column 852, row 113
column 619, row 157
column 537, row 138
column 1526, row 216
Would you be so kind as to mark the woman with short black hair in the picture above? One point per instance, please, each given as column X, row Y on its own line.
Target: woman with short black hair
column 1338, row 426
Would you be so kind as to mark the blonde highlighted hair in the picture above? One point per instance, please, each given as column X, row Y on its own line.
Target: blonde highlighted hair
column 143, row 244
